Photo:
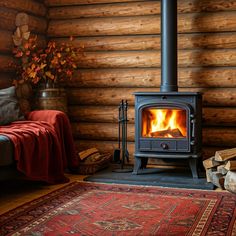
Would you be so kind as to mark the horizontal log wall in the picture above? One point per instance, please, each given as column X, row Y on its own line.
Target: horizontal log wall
column 37, row 25
column 122, row 55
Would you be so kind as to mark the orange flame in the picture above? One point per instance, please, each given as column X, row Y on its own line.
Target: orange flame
column 167, row 123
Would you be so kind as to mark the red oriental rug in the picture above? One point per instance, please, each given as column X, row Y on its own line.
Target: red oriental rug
column 83, row 208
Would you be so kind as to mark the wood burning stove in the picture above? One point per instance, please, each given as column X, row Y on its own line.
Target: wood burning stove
column 168, row 123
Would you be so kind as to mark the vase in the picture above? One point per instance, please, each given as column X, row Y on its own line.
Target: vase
column 51, row 98
column 24, row 93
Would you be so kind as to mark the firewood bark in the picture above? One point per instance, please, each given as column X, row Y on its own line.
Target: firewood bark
column 221, row 169
column 217, row 179
column 230, row 165
column 226, row 154
column 230, row 181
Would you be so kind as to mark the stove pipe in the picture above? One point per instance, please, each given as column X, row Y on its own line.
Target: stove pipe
column 169, row 46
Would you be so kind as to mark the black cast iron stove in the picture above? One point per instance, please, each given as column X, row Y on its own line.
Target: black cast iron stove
column 168, row 123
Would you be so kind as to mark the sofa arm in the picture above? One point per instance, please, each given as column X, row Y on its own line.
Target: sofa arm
column 61, row 124
column 50, row 116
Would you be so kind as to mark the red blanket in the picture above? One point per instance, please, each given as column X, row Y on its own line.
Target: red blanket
column 44, row 145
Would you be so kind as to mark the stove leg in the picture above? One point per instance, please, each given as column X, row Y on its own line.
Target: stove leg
column 144, row 161
column 139, row 163
column 193, row 163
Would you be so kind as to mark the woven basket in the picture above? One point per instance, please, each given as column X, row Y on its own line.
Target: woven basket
column 91, row 165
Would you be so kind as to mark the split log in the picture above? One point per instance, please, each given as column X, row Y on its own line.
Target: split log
column 137, row 25
column 35, row 7
column 212, row 116
column 222, row 97
column 87, row 152
column 217, row 179
column 230, row 181
column 153, row 42
column 150, row 77
column 210, row 163
column 218, row 169
column 226, row 154
column 186, row 58
column 231, row 165
column 209, row 175
column 221, row 169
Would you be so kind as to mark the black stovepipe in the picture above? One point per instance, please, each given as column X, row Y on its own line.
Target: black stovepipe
column 169, row 46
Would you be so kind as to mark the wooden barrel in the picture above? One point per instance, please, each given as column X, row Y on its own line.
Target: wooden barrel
column 52, row 99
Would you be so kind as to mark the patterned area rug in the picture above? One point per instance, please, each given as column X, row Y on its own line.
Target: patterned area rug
column 83, row 208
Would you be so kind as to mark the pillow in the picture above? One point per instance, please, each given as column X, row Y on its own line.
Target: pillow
column 9, row 106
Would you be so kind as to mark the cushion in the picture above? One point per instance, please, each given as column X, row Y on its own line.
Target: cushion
column 9, row 106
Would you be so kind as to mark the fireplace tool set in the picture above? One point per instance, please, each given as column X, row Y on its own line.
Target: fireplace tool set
column 121, row 155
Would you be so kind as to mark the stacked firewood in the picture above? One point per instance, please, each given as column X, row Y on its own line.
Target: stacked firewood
column 221, row 169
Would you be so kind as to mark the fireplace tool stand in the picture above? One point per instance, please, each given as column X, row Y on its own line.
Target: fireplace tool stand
column 122, row 136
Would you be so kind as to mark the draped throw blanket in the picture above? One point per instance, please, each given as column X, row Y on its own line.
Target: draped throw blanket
column 43, row 145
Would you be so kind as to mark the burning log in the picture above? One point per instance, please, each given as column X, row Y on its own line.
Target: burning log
column 173, row 133
column 221, row 169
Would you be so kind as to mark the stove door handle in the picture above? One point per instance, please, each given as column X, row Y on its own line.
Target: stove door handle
column 193, row 121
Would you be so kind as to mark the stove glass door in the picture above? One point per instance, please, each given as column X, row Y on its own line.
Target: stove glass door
column 164, row 123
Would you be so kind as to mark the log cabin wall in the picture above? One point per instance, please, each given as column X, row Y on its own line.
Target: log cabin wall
column 37, row 25
column 122, row 55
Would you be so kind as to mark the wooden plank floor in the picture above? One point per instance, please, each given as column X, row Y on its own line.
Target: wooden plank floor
column 15, row 192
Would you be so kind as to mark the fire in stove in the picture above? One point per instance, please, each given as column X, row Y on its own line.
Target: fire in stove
column 164, row 123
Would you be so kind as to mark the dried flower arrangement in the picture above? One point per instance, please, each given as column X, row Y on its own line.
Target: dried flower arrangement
column 53, row 64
